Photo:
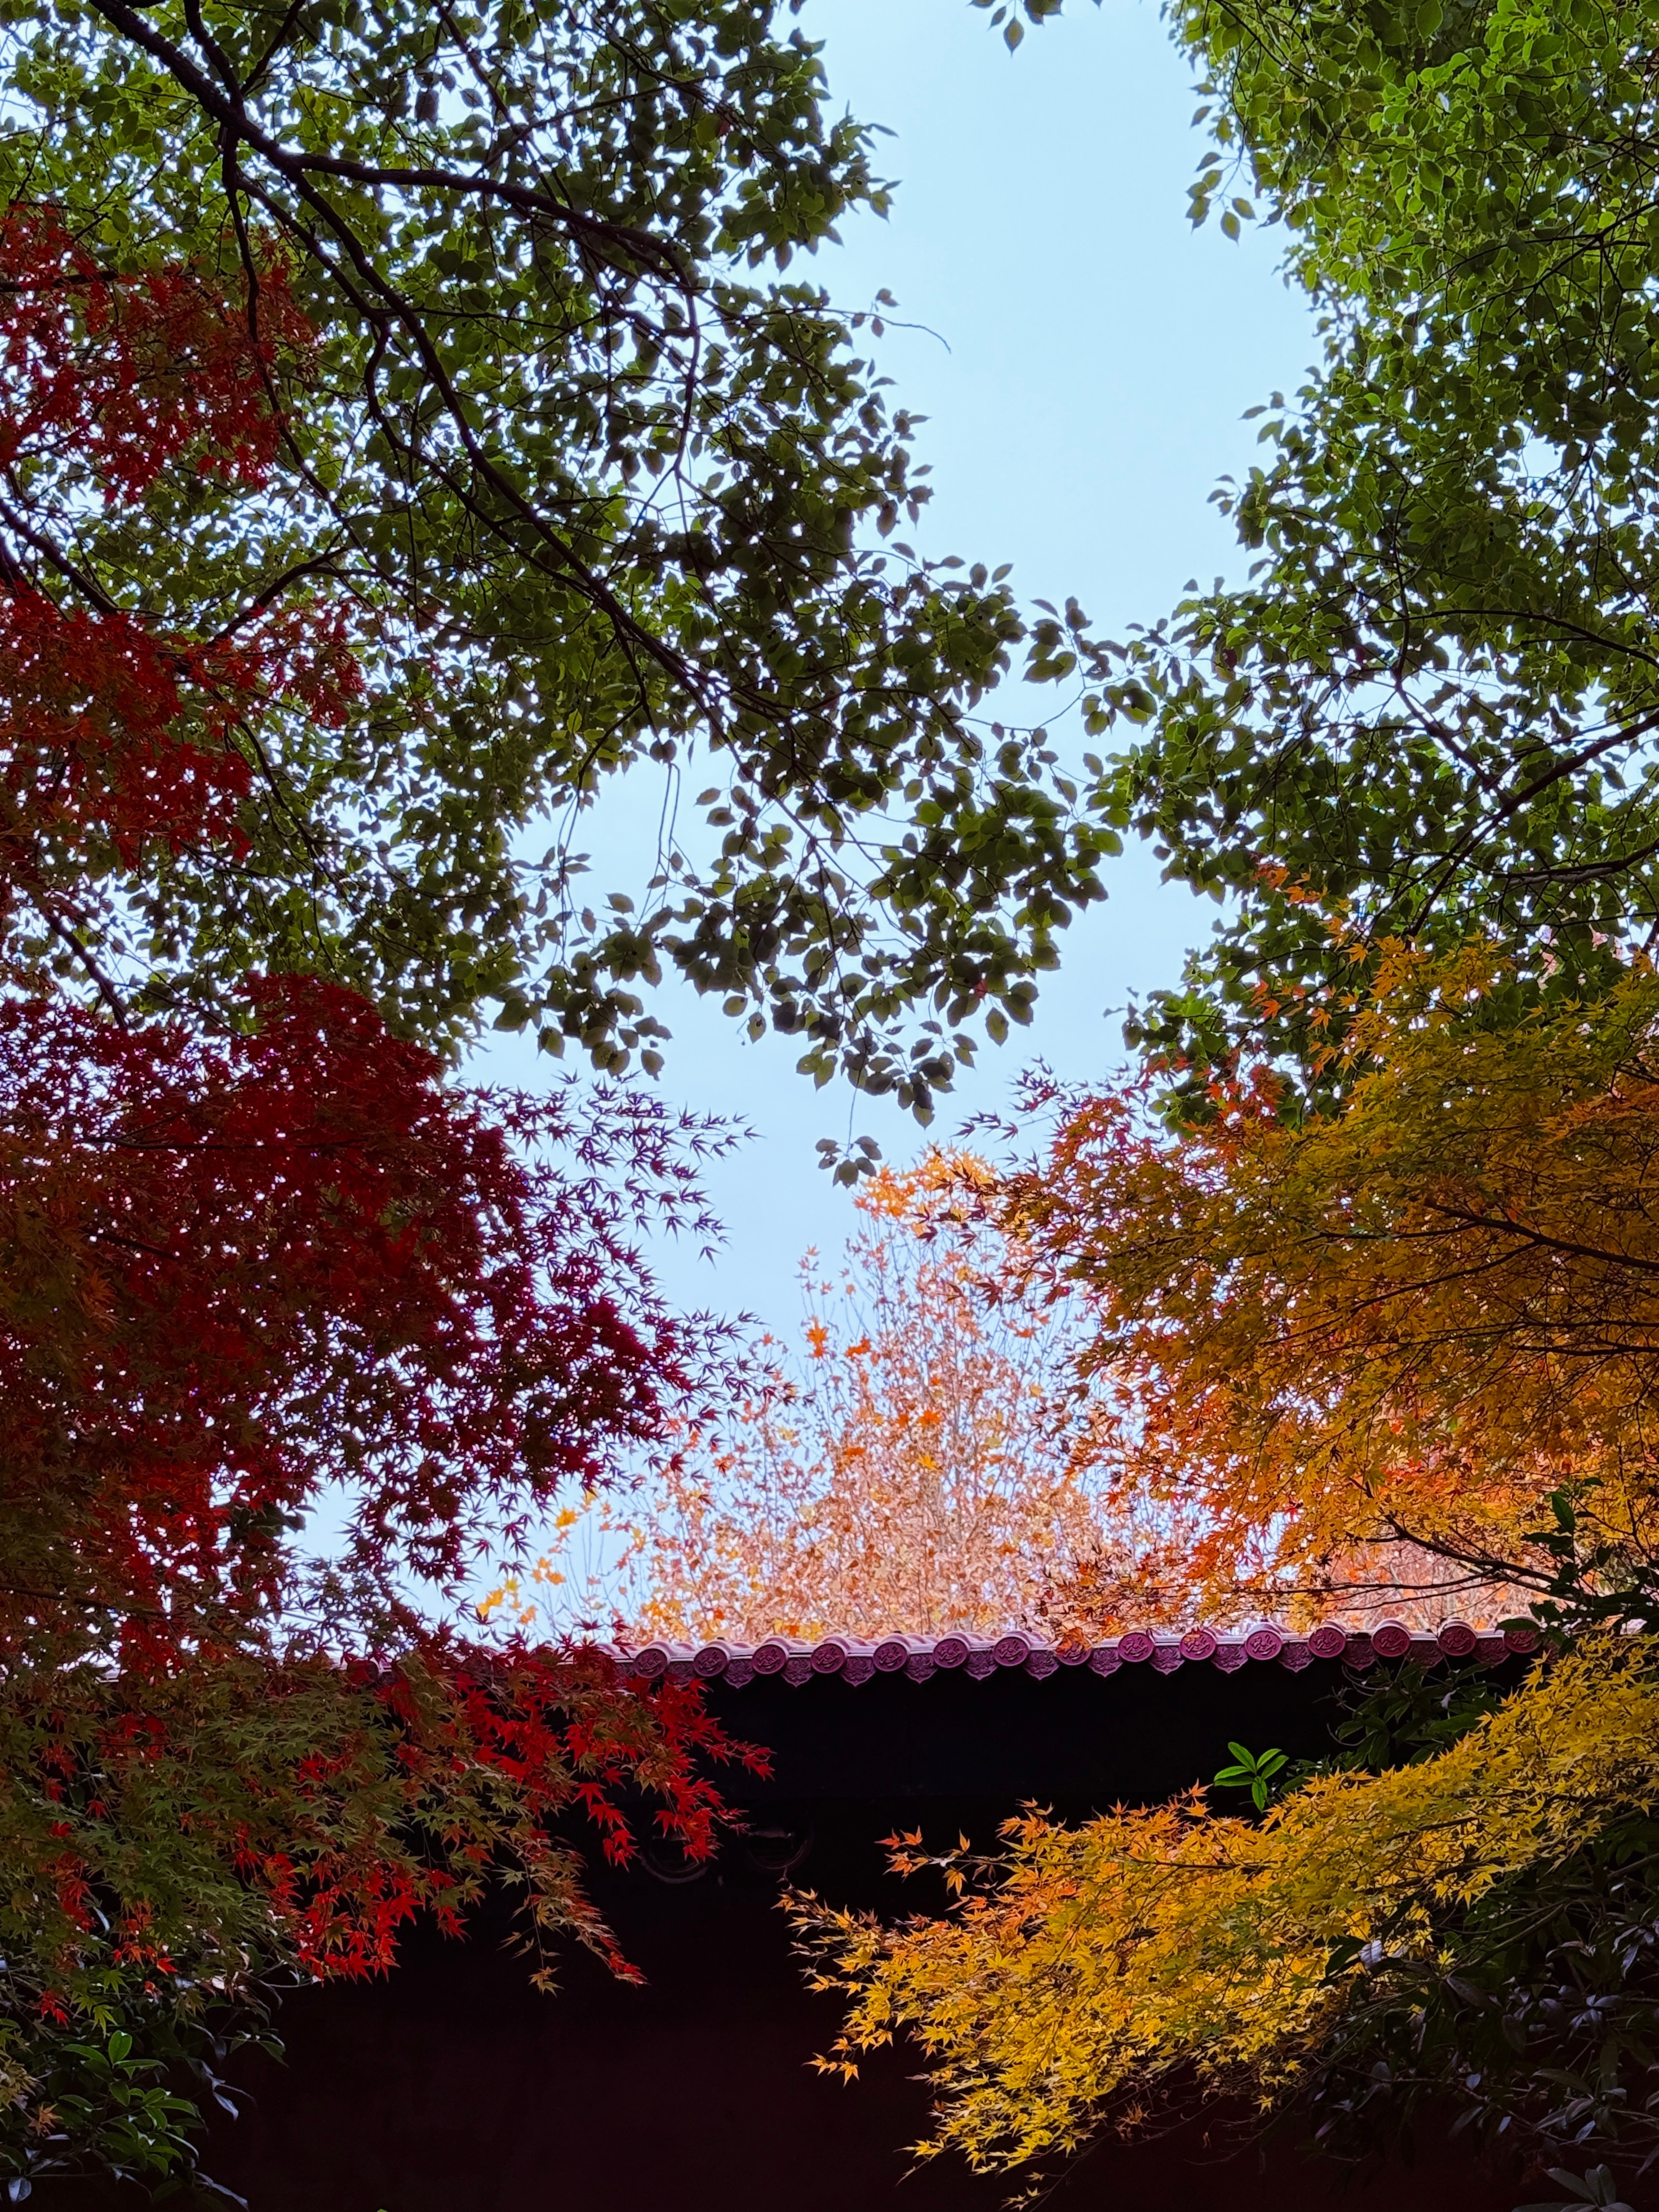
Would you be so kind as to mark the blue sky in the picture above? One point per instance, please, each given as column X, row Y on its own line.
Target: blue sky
column 1085, row 361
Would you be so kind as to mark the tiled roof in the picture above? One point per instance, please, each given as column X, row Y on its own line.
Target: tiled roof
column 921, row 1657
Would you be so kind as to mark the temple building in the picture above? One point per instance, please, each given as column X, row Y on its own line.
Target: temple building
column 452, row 2086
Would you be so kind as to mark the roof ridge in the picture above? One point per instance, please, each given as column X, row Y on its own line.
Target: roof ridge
column 856, row 1660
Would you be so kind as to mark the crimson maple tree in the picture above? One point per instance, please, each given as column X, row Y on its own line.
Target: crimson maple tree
column 243, row 1275
column 122, row 740
column 260, row 1268
column 240, row 1269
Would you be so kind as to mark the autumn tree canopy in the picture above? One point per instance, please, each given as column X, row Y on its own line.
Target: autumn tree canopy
column 1367, row 1247
column 1415, row 1329
column 1406, row 1323
column 249, row 1279
column 1466, row 1926
column 910, row 1473
column 410, row 424
column 913, row 1466
column 263, row 1261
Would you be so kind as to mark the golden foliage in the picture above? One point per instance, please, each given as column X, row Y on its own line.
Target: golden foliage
column 1354, row 1358
column 1103, row 1959
column 1407, row 1322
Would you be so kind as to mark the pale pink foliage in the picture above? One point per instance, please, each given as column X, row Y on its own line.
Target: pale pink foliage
column 910, row 1469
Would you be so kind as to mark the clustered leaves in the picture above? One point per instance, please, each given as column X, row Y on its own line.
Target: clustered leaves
column 597, row 486
column 1406, row 1323
column 412, row 425
column 240, row 1272
column 910, row 1467
column 1431, row 704
column 1090, row 1969
column 244, row 1275
column 1395, row 1355
column 123, row 742
column 181, row 1846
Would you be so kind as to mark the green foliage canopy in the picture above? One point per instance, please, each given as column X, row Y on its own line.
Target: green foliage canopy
column 602, row 485
column 1433, row 701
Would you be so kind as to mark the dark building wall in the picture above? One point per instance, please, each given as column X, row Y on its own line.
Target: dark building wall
column 451, row 2087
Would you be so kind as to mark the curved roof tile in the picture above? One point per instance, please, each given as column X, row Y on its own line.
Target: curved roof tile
column 921, row 1656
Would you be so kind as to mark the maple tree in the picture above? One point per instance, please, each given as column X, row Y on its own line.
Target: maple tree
column 911, row 1469
column 260, row 1267
column 246, row 1276
column 1421, row 1319
column 243, row 1270
column 1091, row 1972
column 1406, row 1322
